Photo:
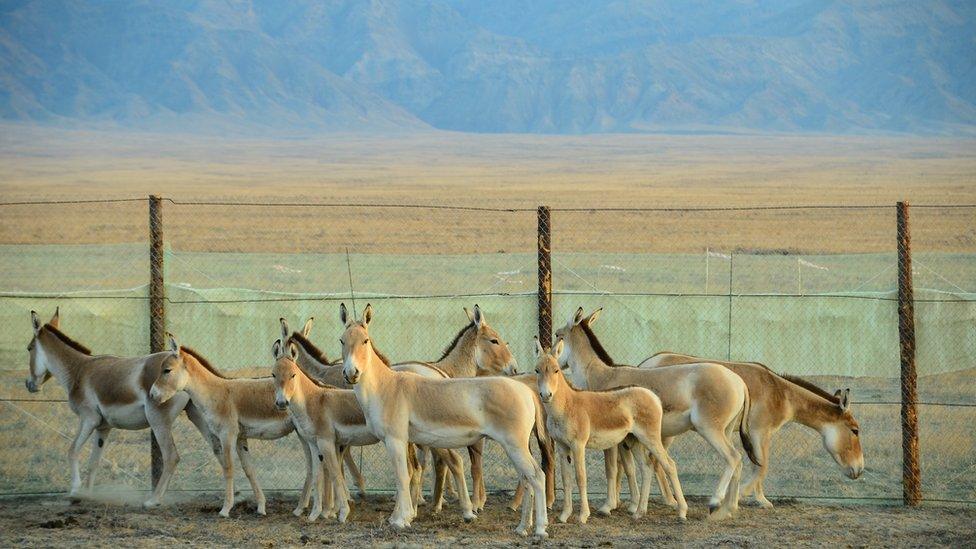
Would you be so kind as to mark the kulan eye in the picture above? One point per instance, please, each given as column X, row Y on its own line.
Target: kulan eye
column 855, row 431
column 273, row 376
column 341, row 342
column 365, row 341
column 494, row 342
column 292, row 376
column 167, row 370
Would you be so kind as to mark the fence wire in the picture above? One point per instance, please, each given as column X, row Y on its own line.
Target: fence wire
column 807, row 291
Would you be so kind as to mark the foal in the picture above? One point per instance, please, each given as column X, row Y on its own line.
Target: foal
column 578, row 420
column 235, row 410
column 328, row 419
column 442, row 413
column 108, row 392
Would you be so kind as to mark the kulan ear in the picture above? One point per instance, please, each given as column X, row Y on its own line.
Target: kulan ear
column 35, row 322
column 276, row 349
column 469, row 313
column 593, row 316
column 56, row 319
column 845, row 400
column 578, row 316
column 307, row 329
column 367, row 314
column 171, row 343
column 285, row 332
column 478, row 317
column 293, row 351
column 558, row 349
column 343, row 314
column 539, row 351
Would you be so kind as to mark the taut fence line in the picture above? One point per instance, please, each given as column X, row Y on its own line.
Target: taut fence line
column 911, row 472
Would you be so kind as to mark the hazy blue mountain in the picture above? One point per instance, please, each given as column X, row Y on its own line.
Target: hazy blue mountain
column 492, row 65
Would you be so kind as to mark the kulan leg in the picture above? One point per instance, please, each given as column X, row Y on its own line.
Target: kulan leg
column 162, row 429
column 518, row 452
column 98, row 445
column 456, row 465
column 310, row 482
column 357, row 475
column 579, row 461
column 85, row 428
column 476, row 454
column 610, row 467
column 719, row 505
column 564, row 458
column 403, row 509
column 627, row 456
column 244, row 455
column 226, row 443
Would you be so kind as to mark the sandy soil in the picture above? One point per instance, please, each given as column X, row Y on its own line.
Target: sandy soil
column 53, row 521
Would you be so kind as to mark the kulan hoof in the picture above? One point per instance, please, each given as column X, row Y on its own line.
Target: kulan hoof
column 604, row 511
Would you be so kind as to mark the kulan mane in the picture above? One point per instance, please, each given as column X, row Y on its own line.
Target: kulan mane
column 455, row 341
column 796, row 380
column 309, row 347
column 203, row 362
column 810, row 387
column 595, row 343
column 67, row 340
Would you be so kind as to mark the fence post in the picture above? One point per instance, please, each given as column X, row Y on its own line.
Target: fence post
column 911, row 474
column 157, row 311
column 545, row 276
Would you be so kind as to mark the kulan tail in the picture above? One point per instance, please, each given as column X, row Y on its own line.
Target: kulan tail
column 546, row 450
column 744, row 429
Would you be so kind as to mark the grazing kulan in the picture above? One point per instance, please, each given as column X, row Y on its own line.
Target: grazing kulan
column 108, row 392
column 577, row 420
column 235, row 410
column 706, row 398
column 779, row 399
column 442, row 413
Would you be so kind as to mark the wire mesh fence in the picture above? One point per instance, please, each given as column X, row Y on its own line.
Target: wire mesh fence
column 807, row 291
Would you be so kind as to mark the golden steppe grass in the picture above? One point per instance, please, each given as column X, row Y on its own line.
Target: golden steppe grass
column 497, row 171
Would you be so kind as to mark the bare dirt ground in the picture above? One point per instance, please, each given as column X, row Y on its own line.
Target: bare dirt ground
column 53, row 521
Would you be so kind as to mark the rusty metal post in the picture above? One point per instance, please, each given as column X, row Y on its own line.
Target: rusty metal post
column 911, row 473
column 545, row 276
column 157, row 310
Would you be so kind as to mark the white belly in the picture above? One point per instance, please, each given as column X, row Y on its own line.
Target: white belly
column 606, row 439
column 443, row 436
column 128, row 416
column 267, row 430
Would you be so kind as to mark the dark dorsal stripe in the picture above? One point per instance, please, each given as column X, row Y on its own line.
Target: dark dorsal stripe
column 810, row 387
column 67, row 340
column 315, row 381
column 454, row 342
column 610, row 390
column 203, row 362
column 595, row 343
column 309, row 347
column 796, row 380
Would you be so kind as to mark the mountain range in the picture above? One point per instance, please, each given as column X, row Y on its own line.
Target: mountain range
column 522, row 66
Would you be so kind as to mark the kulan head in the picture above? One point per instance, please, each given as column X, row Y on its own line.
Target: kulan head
column 38, row 370
column 548, row 373
column 357, row 351
column 492, row 356
column 573, row 337
column 173, row 375
column 285, row 374
column 842, row 436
